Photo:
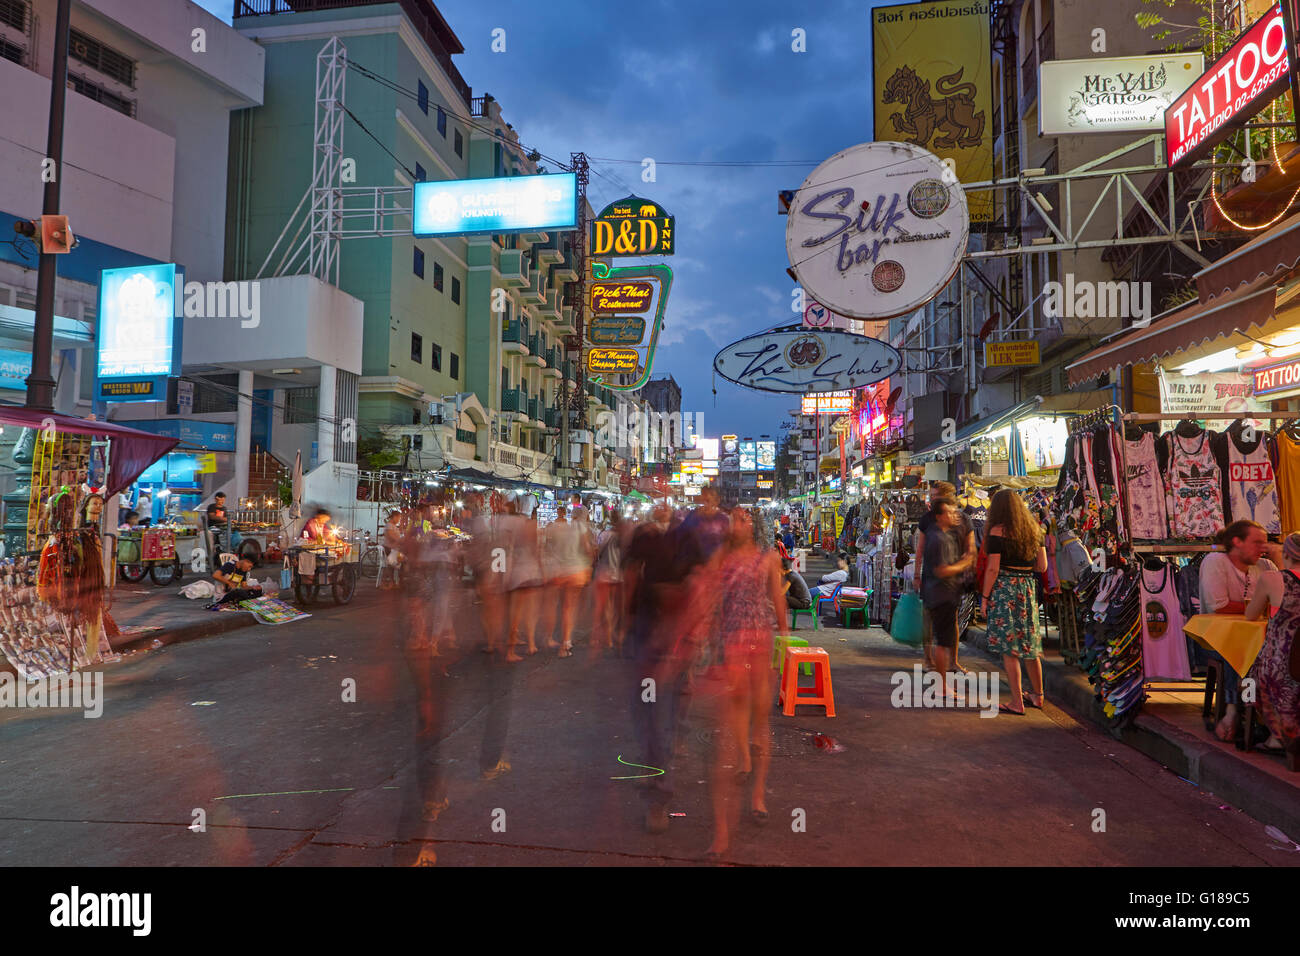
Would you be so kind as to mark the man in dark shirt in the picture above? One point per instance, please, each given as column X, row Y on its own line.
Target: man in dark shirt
column 797, row 595
column 964, row 534
column 217, row 511
column 942, row 589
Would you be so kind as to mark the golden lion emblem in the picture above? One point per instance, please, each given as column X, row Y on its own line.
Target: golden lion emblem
column 923, row 116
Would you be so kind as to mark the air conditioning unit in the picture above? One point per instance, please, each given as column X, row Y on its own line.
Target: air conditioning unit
column 442, row 413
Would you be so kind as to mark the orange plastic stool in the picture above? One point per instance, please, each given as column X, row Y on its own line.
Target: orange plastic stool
column 821, row 694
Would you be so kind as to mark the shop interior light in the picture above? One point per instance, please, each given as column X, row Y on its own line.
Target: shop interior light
column 1218, row 362
column 1285, row 351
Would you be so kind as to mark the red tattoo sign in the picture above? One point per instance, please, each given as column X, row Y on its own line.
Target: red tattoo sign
column 1253, row 72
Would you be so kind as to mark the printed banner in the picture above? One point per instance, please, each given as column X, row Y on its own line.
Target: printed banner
column 1210, row 393
column 933, row 86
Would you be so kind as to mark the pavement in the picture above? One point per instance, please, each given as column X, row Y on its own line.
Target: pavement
column 255, row 729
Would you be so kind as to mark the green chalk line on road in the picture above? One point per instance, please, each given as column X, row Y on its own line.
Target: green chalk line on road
column 637, row 776
column 291, row 793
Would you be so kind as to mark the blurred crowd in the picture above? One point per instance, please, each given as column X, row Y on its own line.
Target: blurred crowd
column 689, row 601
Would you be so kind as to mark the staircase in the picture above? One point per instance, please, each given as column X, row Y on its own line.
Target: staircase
column 265, row 471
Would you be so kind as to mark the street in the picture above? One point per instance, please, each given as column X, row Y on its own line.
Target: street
column 251, row 728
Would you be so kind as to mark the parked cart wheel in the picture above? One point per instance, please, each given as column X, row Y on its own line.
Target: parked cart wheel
column 166, row 572
column 305, row 590
column 345, row 583
column 132, row 572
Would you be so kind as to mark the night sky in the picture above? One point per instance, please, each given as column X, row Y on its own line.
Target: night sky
column 686, row 81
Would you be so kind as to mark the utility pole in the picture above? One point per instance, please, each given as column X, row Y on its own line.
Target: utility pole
column 40, row 384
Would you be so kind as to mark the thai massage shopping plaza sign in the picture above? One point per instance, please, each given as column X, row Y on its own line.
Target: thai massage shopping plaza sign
column 633, row 227
column 1253, row 71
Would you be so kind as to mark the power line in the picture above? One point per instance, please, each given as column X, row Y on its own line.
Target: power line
column 380, row 144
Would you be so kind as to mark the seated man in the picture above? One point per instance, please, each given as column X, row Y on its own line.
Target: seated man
column 797, row 595
column 233, row 576
column 840, row 575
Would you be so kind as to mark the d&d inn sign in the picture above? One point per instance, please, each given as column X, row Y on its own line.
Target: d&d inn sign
column 632, row 227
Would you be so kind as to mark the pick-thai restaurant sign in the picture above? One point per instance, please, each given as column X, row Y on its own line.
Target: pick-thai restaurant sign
column 1114, row 94
column 615, row 329
column 613, row 361
column 608, row 298
column 633, row 227
column 801, row 360
column 877, row 230
column 1253, row 71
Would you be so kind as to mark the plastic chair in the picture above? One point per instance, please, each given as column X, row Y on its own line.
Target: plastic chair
column 811, row 612
column 822, row 694
column 782, row 643
column 848, row 613
column 832, row 598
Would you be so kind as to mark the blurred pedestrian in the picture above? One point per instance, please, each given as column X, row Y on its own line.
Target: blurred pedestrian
column 1009, row 595
column 607, row 627
column 567, row 547
column 942, row 590
column 524, row 578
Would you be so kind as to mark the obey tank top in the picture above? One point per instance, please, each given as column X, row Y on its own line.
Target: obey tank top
column 1252, row 485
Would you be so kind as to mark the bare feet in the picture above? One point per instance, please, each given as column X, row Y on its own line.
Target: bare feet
column 513, row 658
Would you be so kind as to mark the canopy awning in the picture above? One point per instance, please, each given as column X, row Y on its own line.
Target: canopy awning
column 132, row 451
column 1249, row 308
column 973, row 430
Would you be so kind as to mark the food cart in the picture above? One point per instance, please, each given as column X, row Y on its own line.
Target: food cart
column 334, row 568
column 257, row 531
column 158, row 552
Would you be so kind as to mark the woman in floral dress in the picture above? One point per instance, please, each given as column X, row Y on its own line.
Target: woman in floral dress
column 1010, row 595
column 1278, row 697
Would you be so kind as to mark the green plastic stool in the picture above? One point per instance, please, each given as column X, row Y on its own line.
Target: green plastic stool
column 810, row 611
column 848, row 613
column 784, row 641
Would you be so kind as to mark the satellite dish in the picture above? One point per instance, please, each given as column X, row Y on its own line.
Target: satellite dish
column 987, row 328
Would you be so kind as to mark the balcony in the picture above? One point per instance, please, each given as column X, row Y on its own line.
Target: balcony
column 1028, row 82
column 552, row 417
column 468, row 437
column 566, row 325
column 512, row 400
column 567, row 269
column 535, row 409
column 553, row 360
column 550, row 309
column 535, row 292
column 534, row 354
column 513, row 268
column 549, row 254
column 514, row 338
column 533, row 238
column 571, row 370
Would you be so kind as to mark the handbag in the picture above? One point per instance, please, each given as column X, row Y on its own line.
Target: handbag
column 286, row 575
column 906, row 627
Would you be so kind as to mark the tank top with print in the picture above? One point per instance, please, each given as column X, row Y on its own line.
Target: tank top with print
column 1146, row 494
column 1192, row 483
column 1164, row 649
column 1252, row 485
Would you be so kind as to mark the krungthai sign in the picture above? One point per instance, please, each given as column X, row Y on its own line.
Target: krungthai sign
column 633, row 227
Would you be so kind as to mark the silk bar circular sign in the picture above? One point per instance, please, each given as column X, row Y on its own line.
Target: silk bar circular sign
column 807, row 360
column 877, row 230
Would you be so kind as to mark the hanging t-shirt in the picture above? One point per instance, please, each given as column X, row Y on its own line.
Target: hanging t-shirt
column 1193, row 494
column 1288, row 481
column 1146, row 495
column 1252, row 484
column 1164, row 649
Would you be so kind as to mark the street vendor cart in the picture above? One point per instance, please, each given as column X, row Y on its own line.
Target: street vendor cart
column 157, row 552
column 320, row 567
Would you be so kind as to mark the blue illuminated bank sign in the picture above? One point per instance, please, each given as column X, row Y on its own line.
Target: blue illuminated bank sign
column 509, row 204
column 139, row 338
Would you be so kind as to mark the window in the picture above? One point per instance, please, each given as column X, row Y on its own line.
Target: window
column 216, row 393
column 417, row 348
column 101, row 95
column 455, row 367
column 415, row 416
column 300, row 405
column 437, row 276
column 12, row 51
column 14, row 13
column 455, row 290
column 419, row 262
column 442, row 122
column 459, row 144
column 420, row 175
column 422, row 96
column 435, row 350
column 98, row 57
column 505, row 377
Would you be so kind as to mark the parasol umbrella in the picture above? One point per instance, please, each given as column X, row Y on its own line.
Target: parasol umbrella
column 296, row 511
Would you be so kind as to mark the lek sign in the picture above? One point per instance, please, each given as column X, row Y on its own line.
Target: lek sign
column 877, row 230
column 1254, row 71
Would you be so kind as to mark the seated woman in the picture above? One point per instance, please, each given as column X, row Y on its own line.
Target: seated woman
column 317, row 529
column 1278, row 689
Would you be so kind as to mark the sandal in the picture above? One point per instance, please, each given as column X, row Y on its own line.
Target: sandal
column 566, row 651
column 1027, row 698
column 1004, row 709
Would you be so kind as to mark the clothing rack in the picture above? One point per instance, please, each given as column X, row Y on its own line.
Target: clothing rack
column 1105, row 415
